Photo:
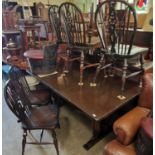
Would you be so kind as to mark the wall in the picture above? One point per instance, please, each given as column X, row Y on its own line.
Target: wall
column 84, row 5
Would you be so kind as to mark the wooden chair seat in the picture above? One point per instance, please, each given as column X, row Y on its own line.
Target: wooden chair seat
column 42, row 117
column 135, row 50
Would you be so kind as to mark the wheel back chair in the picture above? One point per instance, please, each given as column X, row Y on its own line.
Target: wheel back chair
column 75, row 29
column 40, row 96
column 117, row 23
column 31, row 118
column 55, row 22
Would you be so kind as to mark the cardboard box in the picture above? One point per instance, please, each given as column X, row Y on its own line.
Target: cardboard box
column 140, row 20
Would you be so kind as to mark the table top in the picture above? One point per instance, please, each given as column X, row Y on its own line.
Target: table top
column 34, row 54
column 96, row 102
column 5, row 32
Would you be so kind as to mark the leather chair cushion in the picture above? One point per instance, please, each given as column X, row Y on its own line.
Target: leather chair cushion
column 116, row 148
column 144, row 141
column 147, row 126
column 127, row 126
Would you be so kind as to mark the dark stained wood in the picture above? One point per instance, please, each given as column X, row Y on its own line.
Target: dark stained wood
column 114, row 27
column 96, row 102
column 100, row 104
column 72, row 21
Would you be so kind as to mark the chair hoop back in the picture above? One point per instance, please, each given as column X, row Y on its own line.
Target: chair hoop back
column 55, row 21
column 116, row 23
column 16, row 100
column 16, row 74
column 73, row 22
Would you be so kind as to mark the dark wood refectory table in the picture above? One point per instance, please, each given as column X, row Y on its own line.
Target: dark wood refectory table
column 98, row 103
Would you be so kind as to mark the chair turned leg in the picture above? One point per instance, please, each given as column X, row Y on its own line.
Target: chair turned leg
column 125, row 66
column 41, row 135
column 93, row 84
column 66, row 69
column 24, row 141
column 142, row 68
column 81, row 69
column 55, row 141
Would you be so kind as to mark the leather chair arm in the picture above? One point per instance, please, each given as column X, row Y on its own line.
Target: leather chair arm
column 146, row 96
column 126, row 127
column 116, row 148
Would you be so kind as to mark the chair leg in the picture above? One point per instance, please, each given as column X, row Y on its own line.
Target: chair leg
column 93, row 84
column 81, row 69
column 125, row 66
column 24, row 141
column 41, row 135
column 55, row 141
column 142, row 68
column 66, row 70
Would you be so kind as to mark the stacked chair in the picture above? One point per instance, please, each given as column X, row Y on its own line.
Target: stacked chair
column 66, row 55
column 117, row 24
column 74, row 26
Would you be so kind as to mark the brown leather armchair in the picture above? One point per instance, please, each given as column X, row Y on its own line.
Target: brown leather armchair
column 127, row 126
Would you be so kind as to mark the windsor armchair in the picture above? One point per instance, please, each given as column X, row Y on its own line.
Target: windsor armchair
column 75, row 29
column 66, row 55
column 113, row 20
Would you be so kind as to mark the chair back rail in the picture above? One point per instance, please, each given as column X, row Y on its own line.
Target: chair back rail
column 116, row 23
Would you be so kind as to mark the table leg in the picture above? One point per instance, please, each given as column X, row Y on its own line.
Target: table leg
column 100, row 130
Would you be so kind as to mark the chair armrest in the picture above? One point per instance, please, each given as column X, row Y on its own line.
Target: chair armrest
column 146, row 96
column 116, row 148
column 127, row 126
